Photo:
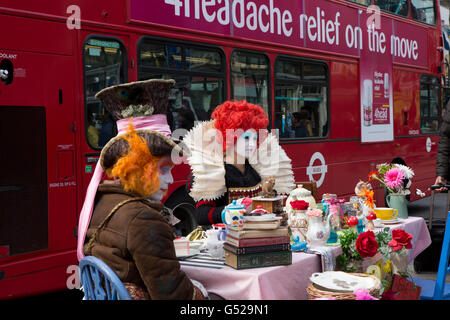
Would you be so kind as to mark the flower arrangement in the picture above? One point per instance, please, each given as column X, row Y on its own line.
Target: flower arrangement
column 366, row 245
column 394, row 177
column 390, row 247
column 299, row 205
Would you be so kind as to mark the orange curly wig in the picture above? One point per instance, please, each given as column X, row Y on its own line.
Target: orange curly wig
column 137, row 170
column 238, row 115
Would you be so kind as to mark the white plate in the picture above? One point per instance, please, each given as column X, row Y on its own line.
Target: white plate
column 193, row 252
column 265, row 217
column 339, row 281
column 392, row 221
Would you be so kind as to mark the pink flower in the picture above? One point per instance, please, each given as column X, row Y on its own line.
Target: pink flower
column 363, row 294
column 315, row 213
column 394, row 178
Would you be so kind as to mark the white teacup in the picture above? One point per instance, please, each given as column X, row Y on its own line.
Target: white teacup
column 215, row 248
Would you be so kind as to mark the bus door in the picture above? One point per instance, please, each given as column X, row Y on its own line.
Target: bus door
column 105, row 63
column 37, row 158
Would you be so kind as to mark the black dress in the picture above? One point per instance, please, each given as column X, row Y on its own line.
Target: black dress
column 239, row 185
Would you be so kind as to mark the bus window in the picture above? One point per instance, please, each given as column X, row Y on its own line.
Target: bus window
column 202, row 60
column 301, row 108
column 161, row 56
column 104, row 66
column 200, row 83
column 250, row 78
column 398, row 7
column 429, row 104
column 423, row 11
column 363, row 2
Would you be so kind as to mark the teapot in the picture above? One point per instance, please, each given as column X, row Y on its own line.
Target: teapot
column 233, row 216
column 318, row 229
column 300, row 194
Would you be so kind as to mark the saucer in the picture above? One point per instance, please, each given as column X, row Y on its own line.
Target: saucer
column 377, row 223
column 391, row 221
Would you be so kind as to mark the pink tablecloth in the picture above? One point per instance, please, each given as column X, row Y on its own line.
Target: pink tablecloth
column 285, row 282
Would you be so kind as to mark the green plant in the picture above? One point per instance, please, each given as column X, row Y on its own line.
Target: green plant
column 347, row 240
column 383, row 237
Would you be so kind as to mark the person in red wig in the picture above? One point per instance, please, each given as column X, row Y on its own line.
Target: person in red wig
column 229, row 159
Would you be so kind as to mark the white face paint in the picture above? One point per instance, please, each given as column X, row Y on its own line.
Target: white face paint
column 165, row 179
column 247, row 143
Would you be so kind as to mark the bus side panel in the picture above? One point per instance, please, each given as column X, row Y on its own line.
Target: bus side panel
column 344, row 101
column 39, row 104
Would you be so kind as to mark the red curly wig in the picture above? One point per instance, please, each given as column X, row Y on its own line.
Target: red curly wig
column 238, row 115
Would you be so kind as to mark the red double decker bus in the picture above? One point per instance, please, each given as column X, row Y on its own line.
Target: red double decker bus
column 348, row 85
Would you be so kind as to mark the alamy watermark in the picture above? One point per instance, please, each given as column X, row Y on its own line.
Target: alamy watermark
column 74, row 20
column 73, row 281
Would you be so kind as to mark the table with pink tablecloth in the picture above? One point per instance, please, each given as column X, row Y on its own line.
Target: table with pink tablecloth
column 286, row 282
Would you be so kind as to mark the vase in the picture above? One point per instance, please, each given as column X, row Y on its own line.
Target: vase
column 398, row 201
column 298, row 221
column 360, row 266
column 399, row 261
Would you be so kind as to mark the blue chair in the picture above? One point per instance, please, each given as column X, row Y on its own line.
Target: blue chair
column 439, row 289
column 100, row 282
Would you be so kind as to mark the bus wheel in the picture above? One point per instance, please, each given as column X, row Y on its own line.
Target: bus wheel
column 186, row 213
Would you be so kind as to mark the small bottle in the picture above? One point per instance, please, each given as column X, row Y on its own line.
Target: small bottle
column 386, row 85
column 367, row 102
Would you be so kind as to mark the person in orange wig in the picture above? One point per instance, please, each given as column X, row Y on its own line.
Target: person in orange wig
column 123, row 221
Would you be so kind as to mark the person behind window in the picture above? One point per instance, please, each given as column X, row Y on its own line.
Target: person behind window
column 130, row 229
column 415, row 13
column 108, row 130
column 185, row 119
column 92, row 131
column 225, row 162
column 301, row 124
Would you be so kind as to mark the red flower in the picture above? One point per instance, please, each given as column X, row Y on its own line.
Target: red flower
column 299, row 205
column 366, row 244
column 373, row 175
column 400, row 239
column 388, row 295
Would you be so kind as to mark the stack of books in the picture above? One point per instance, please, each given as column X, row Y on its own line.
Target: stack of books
column 260, row 244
